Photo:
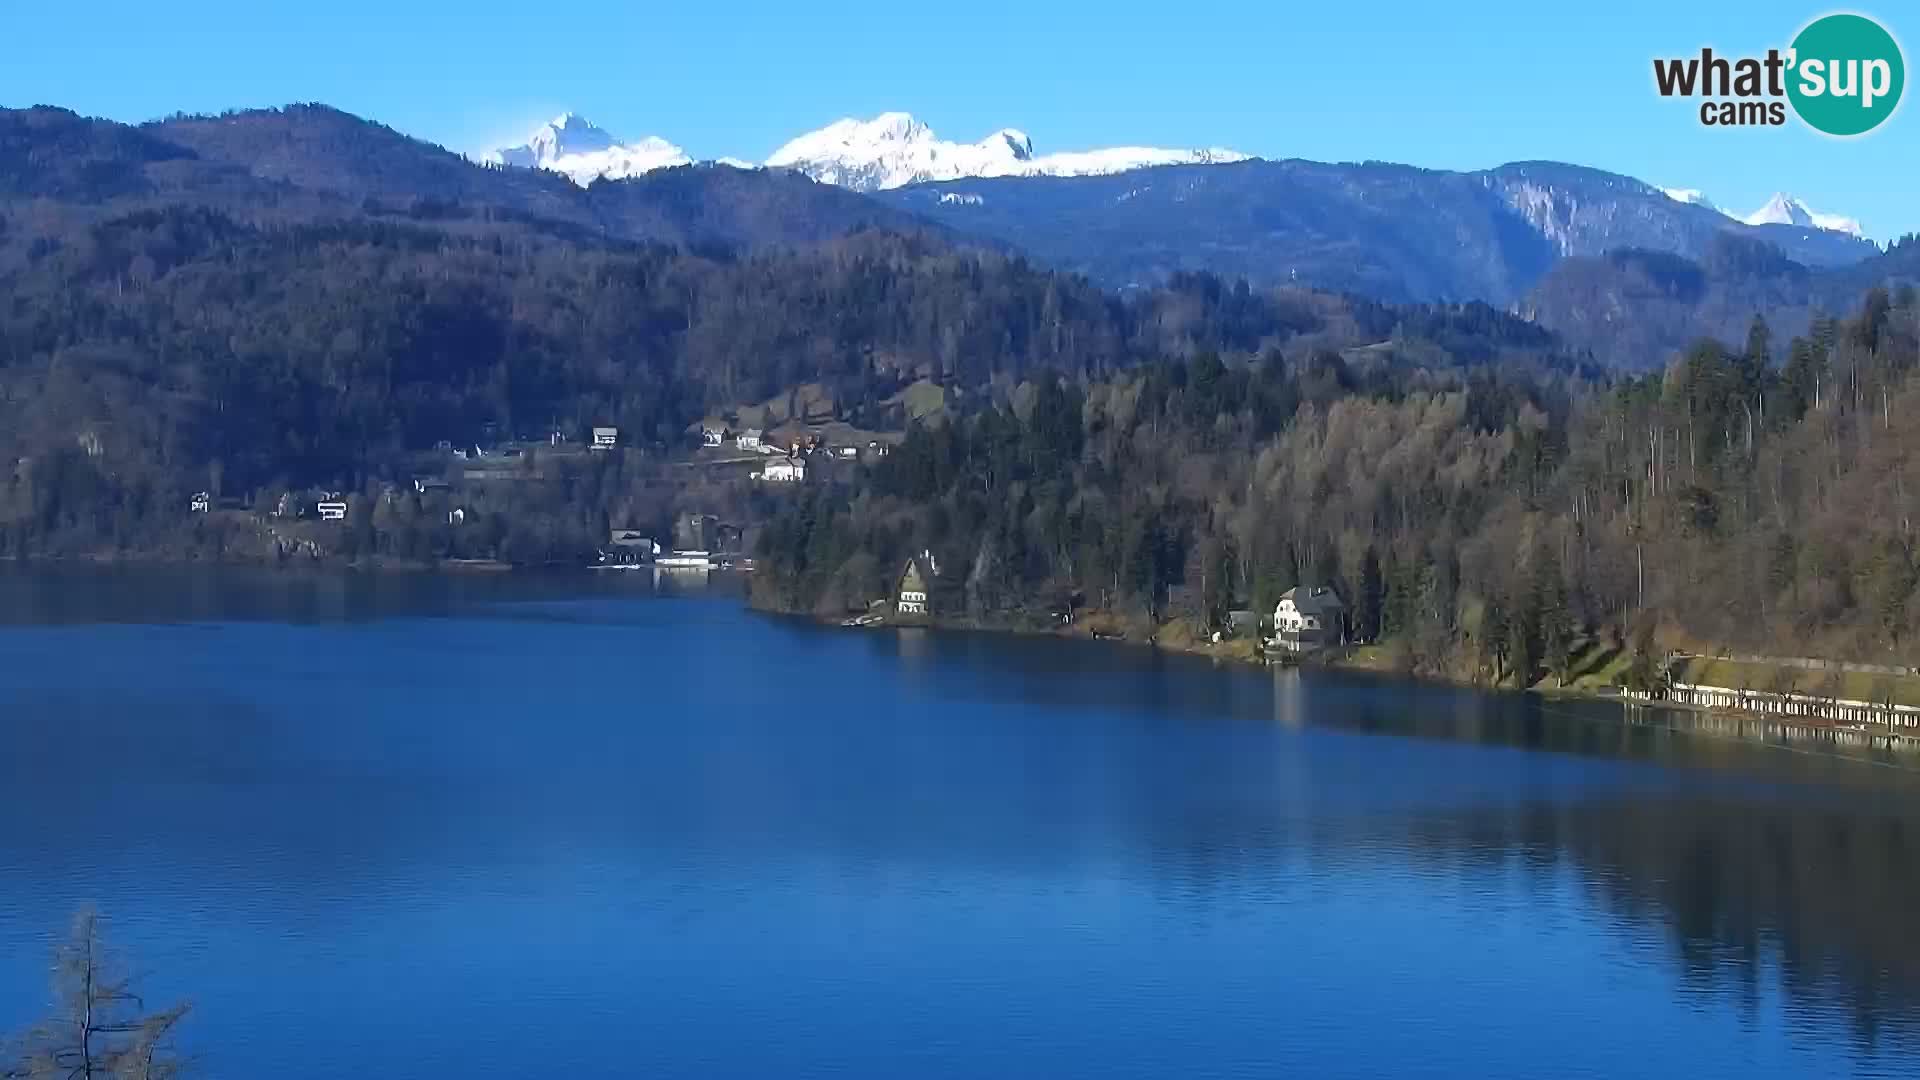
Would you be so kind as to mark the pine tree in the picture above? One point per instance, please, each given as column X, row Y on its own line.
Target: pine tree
column 1369, row 603
column 1523, row 634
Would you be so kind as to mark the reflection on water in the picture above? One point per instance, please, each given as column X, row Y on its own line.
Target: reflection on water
column 732, row 845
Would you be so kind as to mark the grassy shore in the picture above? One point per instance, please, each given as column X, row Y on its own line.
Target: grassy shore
column 1596, row 663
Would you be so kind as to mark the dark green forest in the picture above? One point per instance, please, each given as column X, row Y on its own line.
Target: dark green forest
column 166, row 351
column 1479, row 519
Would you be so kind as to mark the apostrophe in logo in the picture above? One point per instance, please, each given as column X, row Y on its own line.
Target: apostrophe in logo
column 1842, row 75
column 1847, row 74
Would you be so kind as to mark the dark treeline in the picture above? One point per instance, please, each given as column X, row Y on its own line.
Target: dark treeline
column 1477, row 519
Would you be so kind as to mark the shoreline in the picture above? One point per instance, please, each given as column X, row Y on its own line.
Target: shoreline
column 1170, row 638
column 380, row 564
column 1745, row 726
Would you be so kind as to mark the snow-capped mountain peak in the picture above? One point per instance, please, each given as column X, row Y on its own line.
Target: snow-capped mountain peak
column 1784, row 209
column 570, row 144
column 1013, row 140
column 888, row 151
column 894, row 149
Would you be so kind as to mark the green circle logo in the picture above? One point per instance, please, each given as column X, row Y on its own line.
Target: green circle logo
column 1847, row 74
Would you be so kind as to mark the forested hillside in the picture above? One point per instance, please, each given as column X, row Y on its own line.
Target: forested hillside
column 1477, row 519
column 309, row 163
column 296, row 300
column 1634, row 308
column 150, row 355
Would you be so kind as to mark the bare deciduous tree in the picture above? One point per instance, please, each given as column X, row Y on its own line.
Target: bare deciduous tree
column 101, row 1029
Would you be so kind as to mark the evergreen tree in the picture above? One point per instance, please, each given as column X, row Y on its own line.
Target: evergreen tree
column 1370, row 601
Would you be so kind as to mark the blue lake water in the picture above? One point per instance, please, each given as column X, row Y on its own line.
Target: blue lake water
column 511, row 827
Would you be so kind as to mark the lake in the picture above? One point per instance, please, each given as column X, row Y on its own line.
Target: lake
column 477, row 827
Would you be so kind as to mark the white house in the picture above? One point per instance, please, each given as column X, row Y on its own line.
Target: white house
column 202, row 503
column 606, row 438
column 786, row 472
column 627, row 547
column 748, row 439
column 712, row 436
column 914, row 583
column 1309, row 617
column 332, row 510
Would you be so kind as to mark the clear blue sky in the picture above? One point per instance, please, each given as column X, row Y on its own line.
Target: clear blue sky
column 1418, row 81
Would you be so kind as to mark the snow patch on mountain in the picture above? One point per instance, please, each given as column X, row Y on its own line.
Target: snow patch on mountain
column 571, row 145
column 1690, row 196
column 1784, row 209
column 894, row 149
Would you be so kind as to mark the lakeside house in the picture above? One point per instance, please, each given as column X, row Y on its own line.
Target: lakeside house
column 916, row 582
column 332, row 510
column 712, row 435
column 627, row 547
column 1309, row 618
column 202, row 503
column 605, row 438
column 785, row 472
column 749, row 439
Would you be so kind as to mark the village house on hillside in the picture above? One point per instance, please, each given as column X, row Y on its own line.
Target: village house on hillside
column 789, row 471
column 916, row 584
column 1309, row 618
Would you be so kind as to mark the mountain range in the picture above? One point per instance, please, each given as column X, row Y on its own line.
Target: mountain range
column 1134, row 216
column 895, row 150
column 891, row 150
column 1620, row 266
column 1393, row 232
